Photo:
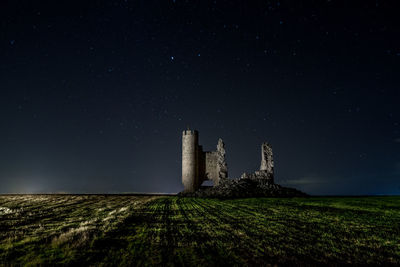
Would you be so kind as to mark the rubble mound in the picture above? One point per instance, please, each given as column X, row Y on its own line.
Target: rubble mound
column 244, row 187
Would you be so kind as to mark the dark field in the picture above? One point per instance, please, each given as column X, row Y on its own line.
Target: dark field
column 148, row 230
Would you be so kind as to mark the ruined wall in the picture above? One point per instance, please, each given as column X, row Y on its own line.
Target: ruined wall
column 267, row 159
column 201, row 166
column 222, row 167
column 211, row 166
column 215, row 165
column 266, row 172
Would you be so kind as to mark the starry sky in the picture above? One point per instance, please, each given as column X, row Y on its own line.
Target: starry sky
column 94, row 95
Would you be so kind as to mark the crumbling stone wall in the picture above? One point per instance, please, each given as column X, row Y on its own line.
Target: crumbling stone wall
column 267, row 159
column 211, row 166
column 216, row 168
column 222, row 167
column 266, row 171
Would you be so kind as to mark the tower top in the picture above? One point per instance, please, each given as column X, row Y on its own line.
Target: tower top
column 190, row 132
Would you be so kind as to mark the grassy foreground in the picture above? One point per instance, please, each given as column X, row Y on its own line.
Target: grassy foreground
column 151, row 230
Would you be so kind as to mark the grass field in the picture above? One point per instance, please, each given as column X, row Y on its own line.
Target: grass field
column 168, row 230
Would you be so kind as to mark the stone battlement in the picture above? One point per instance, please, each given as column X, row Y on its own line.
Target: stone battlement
column 190, row 132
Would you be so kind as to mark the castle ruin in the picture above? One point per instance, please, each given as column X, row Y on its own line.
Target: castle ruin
column 199, row 166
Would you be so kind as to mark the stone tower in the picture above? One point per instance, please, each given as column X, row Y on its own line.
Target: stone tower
column 190, row 143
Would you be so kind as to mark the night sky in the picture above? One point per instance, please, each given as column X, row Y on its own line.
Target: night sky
column 95, row 94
